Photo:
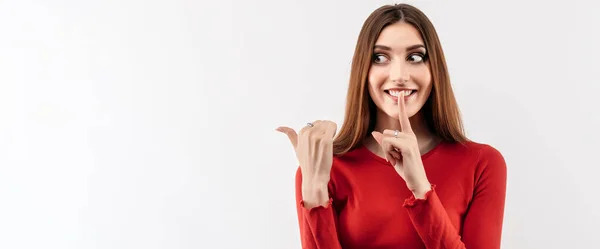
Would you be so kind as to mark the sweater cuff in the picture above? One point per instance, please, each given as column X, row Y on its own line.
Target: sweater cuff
column 413, row 201
column 317, row 208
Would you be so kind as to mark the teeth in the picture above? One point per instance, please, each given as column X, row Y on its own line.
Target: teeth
column 395, row 93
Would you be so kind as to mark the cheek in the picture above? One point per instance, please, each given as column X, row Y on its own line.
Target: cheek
column 423, row 78
column 376, row 78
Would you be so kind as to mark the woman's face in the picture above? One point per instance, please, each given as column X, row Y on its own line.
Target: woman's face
column 399, row 63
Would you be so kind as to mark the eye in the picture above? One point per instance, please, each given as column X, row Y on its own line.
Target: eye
column 379, row 58
column 417, row 57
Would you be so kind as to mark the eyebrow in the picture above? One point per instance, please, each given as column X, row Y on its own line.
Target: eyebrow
column 382, row 47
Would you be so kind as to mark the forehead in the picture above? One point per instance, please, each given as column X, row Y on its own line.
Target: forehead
column 399, row 36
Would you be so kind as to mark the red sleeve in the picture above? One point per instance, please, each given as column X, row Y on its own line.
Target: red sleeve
column 318, row 224
column 482, row 225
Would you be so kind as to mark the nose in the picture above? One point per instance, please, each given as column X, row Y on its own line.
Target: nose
column 399, row 72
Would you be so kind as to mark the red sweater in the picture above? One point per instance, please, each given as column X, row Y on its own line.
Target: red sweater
column 371, row 207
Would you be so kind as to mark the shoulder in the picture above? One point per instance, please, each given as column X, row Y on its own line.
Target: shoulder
column 488, row 153
column 481, row 151
column 487, row 158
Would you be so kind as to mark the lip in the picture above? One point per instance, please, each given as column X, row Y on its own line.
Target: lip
column 395, row 99
column 400, row 89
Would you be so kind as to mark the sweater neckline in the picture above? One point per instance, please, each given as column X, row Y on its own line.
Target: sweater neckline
column 362, row 148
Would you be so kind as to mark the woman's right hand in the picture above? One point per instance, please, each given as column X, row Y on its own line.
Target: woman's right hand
column 314, row 150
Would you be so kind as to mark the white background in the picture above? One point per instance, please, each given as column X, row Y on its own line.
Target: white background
column 150, row 124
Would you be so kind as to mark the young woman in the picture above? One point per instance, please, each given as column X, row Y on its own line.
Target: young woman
column 400, row 173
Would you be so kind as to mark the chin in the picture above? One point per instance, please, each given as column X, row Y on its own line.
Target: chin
column 394, row 113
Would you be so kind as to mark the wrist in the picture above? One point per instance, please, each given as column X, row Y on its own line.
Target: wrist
column 315, row 179
column 312, row 185
column 420, row 190
column 417, row 181
column 315, row 194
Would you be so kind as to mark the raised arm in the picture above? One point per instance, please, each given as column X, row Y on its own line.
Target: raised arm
column 316, row 216
column 482, row 227
column 314, row 150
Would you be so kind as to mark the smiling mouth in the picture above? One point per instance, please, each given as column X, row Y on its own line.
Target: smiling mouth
column 394, row 93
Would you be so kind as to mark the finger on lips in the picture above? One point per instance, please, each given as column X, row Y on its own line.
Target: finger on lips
column 403, row 116
column 392, row 141
column 390, row 133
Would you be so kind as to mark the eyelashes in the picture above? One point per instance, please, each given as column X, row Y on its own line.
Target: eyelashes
column 420, row 57
column 414, row 58
column 377, row 58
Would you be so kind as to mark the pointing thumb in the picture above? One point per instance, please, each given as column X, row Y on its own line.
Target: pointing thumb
column 291, row 134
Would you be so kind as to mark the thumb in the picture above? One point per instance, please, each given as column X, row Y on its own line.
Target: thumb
column 378, row 136
column 290, row 133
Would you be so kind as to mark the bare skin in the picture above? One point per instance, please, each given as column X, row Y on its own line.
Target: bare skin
column 399, row 84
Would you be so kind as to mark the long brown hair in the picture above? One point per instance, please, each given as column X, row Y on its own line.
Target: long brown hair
column 441, row 112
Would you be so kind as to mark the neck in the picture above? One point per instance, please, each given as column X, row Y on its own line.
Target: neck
column 425, row 138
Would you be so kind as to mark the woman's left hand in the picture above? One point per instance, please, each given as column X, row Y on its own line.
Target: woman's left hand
column 402, row 151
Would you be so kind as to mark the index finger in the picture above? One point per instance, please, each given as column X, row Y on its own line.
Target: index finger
column 403, row 115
